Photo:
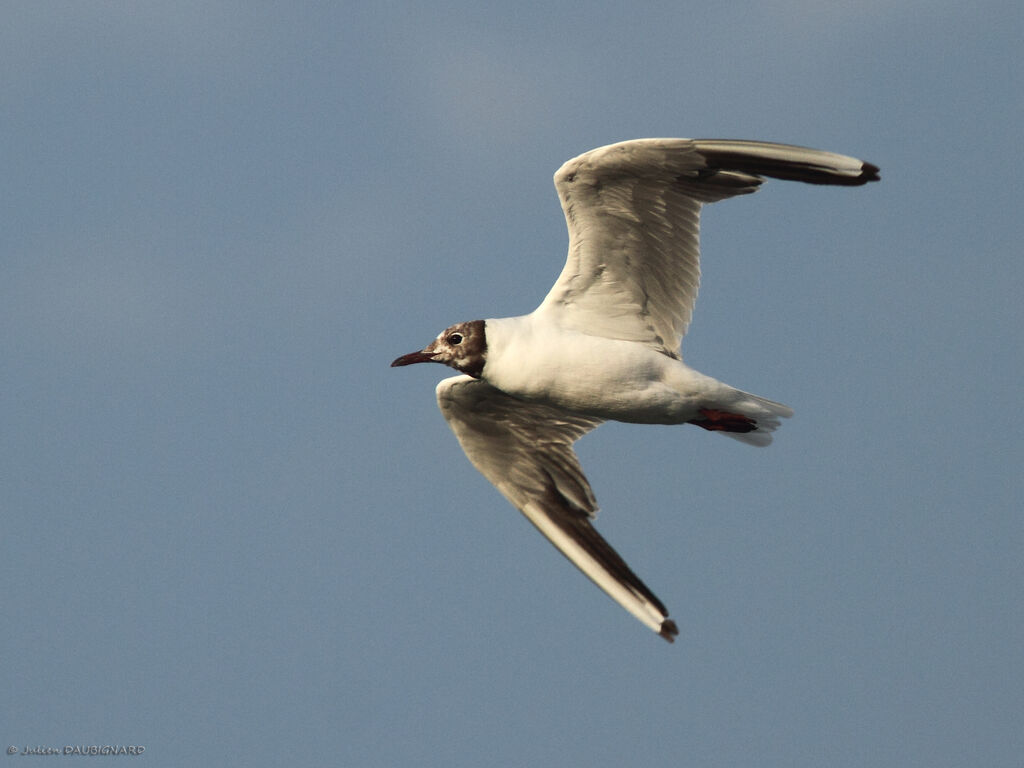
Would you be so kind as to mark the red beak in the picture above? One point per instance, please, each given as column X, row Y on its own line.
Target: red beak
column 414, row 357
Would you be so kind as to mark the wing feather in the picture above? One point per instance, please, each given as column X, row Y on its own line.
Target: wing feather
column 525, row 450
column 633, row 214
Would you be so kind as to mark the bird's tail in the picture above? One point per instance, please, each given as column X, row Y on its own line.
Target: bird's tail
column 745, row 417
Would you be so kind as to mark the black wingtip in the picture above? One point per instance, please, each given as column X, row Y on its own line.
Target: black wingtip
column 669, row 630
column 869, row 172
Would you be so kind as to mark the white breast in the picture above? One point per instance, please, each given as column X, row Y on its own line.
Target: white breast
column 603, row 377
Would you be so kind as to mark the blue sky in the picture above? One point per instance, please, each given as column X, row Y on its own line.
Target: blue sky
column 233, row 535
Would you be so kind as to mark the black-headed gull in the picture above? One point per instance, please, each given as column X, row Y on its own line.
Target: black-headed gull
column 604, row 343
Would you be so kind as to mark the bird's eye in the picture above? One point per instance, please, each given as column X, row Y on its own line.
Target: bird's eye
column 455, row 338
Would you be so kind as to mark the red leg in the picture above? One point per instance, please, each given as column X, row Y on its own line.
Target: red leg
column 723, row 421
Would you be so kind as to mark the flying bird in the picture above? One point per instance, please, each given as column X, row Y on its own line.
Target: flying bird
column 604, row 344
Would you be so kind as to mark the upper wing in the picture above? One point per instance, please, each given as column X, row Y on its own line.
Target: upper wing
column 525, row 450
column 633, row 212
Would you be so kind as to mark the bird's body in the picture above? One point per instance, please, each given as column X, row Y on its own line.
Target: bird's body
column 607, row 378
column 604, row 344
column 611, row 379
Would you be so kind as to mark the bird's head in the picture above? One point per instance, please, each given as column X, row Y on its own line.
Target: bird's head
column 462, row 346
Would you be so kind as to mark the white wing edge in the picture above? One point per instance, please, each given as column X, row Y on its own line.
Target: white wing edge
column 649, row 614
column 786, row 161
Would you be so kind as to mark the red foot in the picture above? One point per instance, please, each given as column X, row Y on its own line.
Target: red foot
column 723, row 421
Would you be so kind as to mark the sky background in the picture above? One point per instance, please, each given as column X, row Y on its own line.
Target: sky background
column 233, row 535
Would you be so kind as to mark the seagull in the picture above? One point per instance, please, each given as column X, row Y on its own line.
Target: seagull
column 604, row 344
